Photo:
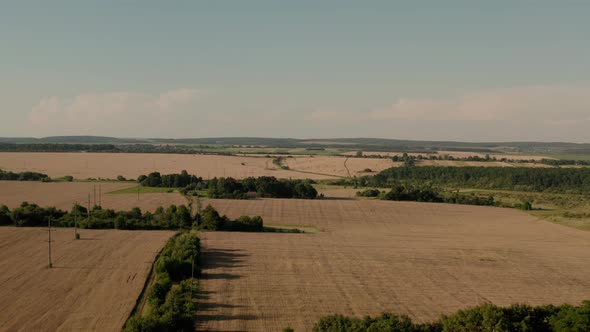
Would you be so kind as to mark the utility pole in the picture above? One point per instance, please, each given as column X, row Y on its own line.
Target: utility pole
column 99, row 195
column 94, row 195
column 76, row 236
column 192, row 275
column 88, row 211
column 49, row 247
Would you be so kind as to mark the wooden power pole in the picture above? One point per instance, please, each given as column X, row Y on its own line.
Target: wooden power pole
column 49, row 241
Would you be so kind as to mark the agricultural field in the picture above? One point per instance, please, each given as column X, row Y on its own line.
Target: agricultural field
column 64, row 195
column 337, row 166
column 93, row 286
column 418, row 259
column 132, row 165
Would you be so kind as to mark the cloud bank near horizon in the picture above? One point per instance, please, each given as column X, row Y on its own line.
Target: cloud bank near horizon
column 543, row 112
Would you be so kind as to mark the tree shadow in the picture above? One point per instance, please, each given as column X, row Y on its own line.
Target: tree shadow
column 208, row 306
column 213, row 276
column 213, row 317
column 216, row 258
column 208, row 310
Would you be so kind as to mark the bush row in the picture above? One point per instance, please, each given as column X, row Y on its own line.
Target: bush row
column 401, row 192
column 170, row 305
column 172, row 218
column 227, row 187
column 24, row 176
column 516, row 318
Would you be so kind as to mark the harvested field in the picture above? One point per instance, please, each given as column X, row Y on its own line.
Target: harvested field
column 132, row 165
column 337, row 166
column 337, row 192
column 418, row 259
column 63, row 195
column 93, row 287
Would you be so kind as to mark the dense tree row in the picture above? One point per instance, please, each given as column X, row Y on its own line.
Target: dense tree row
column 122, row 148
column 56, row 147
column 181, row 180
column 565, row 162
column 264, row 186
column 172, row 218
column 170, row 306
column 516, row 318
column 575, row 180
column 23, row 176
column 227, row 187
column 211, row 220
column 400, row 192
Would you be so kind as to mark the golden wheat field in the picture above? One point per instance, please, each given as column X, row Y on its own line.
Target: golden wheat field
column 132, row 165
column 337, row 166
column 418, row 259
column 63, row 195
column 93, row 286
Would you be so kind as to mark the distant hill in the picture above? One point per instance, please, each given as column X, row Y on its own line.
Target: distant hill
column 72, row 140
column 366, row 144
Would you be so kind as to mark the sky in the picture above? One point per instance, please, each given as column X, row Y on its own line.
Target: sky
column 427, row 70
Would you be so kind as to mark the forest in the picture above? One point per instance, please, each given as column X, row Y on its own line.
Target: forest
column 559, row 180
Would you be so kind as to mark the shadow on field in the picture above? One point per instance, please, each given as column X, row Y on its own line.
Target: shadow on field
column 209, row 306
column 217, row 266
column 217, row 258
column 206, row 318
column 212, row 276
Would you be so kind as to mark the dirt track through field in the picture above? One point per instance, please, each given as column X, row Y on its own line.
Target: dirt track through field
column 418, row 259
column 93, row 286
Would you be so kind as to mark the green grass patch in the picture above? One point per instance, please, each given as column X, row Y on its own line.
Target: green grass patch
column 308, row 229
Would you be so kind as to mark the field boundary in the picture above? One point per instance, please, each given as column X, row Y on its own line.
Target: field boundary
column 142, row 298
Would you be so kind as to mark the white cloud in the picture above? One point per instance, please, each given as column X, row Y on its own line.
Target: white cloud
column 109, row 113
column 558, row 112
column 532, row 103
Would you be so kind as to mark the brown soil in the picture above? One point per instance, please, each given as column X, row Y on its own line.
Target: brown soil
column 418, row 259
column 93, row 286
column 63, row 195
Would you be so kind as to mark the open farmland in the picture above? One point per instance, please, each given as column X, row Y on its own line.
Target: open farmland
column 132, row 165
column 418, row 259
column 93, row 286
column 337, row 166
column 63, row 195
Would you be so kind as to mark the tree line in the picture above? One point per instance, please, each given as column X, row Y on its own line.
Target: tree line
column 488, row 317
column 23, row 176
column 562, row 180
column 170, row 302
column 401, row 192
column 228, row 187
column 115, row 148
column 264, row 186
column 172, row 218
column 56, row 147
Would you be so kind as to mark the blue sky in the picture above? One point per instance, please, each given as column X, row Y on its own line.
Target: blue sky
column 462, row 70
